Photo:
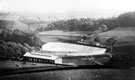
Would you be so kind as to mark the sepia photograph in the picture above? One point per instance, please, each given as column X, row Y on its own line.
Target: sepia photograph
column 67, row 40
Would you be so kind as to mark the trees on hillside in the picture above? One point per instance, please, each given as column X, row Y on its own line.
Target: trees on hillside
column 11, row 50
column 89, row 24
column 72, row 25
column 13, row 44
column 126, row 19
column 83, row 24
column 19, row 36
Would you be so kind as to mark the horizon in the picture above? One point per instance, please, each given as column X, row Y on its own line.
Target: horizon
column 66, row 9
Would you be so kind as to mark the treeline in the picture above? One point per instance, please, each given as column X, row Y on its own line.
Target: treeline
column 89, row 24
column 2, row 24
column 71, row 25
column 19, row 36
column 83, row 24
column 13, row 44
column 12, row 50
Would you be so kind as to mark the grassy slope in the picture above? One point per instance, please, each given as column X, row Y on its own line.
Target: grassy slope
column 124, row 36
column 21, row 64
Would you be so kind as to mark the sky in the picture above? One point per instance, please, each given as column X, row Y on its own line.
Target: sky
column 74, row 8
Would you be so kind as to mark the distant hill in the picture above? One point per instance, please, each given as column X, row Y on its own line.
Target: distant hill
column 39, row 23
column 22, row 21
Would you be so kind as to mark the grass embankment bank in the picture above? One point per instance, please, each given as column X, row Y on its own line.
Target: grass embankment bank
column 9, row 64
column 124, row 48
column 124, row 36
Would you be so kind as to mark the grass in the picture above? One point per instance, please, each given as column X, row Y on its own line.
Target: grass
column 8, row 64
column 124, row 36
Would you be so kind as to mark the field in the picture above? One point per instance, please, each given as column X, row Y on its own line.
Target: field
column 20, row 64
column 124, row 36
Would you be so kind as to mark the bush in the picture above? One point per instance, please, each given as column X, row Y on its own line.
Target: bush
column 111, row 41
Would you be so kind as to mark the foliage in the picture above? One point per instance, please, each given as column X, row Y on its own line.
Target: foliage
column 13, row 44
column 72, row 25
column 126, row 19
column 89, row 24
column 82, row 24
column 111, row 41
column 11, row 50
column 97, row 39
column 19, row 36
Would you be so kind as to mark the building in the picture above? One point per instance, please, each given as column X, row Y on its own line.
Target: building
column 41, row 58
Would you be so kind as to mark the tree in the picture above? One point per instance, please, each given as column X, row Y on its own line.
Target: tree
column 2, row 42
column 3, row 50
column 126, row 19
column 11, row 44
column 111, row 42
column 104, row 28
column 6, row 35
column 28, row 46
column 97, row 39
column 18, row 53
column 10, row 53
column 23, row 50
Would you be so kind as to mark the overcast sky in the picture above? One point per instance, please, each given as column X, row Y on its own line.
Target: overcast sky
column 95, row 7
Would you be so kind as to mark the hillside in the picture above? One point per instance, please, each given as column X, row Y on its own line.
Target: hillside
column 124, row 36
column 13, row 44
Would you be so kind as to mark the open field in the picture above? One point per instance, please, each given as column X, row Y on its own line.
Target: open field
column 124, row 36
column 21, row 64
